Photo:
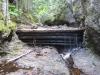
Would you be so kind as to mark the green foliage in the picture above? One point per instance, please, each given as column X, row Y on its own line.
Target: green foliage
column 28, row 18
column 2, row 26
column 7, row 28
column 42, row 11
column 2, row 53
column 49, row 9
column 11, row 25
column 40, row 8
column 1, row 16
column 13, row 10
column 14, row 13
column 76, row 8
column 0, row 4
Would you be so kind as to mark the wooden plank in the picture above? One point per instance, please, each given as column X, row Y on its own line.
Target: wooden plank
column 51, row 30
column 47, row 37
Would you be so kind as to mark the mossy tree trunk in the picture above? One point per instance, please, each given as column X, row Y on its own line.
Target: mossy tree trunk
column 5, row 11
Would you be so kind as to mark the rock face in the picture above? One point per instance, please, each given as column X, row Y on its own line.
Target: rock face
column 87, row 62
column 93, row 17
column 93, row 24
column 91, row 10
column 43, row 61
column 93, row 40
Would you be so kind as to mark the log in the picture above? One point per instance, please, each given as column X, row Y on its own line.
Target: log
column 51, row 30
column 14, row 59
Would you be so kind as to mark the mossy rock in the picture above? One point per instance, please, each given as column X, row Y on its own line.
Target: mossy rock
column 2, row 53
column 6, row 29
column 11, row 25
column 2, row 25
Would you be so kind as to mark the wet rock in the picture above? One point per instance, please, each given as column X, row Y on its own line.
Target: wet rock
column 91, row 10
column 93, row 25
column 87, row 62
column 93, row 40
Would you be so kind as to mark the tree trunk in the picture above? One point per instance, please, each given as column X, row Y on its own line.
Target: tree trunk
column 0, row 5
column 25, row 5
column 84, row 12
column 5, row 11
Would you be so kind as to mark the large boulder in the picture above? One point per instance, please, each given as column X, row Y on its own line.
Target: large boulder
column 43, row 61
column 93, row 25
column 91, row 10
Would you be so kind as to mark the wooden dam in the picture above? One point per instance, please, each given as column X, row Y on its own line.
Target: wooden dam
column 70, row 38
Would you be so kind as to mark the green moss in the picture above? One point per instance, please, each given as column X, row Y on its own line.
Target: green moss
column 3, row 53
column 2, row 26
column 7, row 28
column 1, row 16
column 76, row 8
column 31, row 18
column 27, row 18
column 11, row 25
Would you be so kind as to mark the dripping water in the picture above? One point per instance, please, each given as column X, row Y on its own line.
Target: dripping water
column 67, row 56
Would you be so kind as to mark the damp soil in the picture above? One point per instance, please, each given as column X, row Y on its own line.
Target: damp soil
column 7, row 68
